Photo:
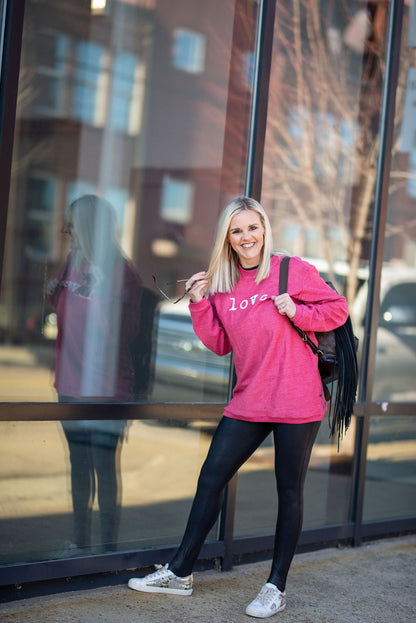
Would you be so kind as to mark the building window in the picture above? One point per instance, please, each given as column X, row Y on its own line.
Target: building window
column 89, row 96
column 411, row 182
column 177, row 200
column 126, row 93
column 189, row 51
column 248, row 66
column 333, row 140
column 51, row 73
column 100, row 7
column 40, row 218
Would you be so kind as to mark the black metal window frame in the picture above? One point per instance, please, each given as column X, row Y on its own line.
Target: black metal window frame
column 228, row 549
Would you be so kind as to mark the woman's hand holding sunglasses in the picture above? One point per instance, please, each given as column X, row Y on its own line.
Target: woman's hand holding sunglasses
column 196, row 286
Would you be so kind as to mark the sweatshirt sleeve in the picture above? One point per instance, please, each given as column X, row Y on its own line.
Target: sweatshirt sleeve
column 318, row 306
column 208, row 327
column 53, row 296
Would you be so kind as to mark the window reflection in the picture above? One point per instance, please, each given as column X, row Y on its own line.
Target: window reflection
column 52, row 73
column 125, row 100
column 327, row 493
column 41, row 225
column 189, row 51
column 103, row 353
column 390, row 486
column 184, row 366
column 36, row 521
column 395, row 364
column 133, row 106
column 322, row 133
column 177, row 200
column 320, row 165
column 97, row 299
column 89, row 94
column 94, row 454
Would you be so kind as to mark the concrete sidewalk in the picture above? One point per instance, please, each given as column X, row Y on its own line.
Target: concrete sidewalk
column 373, row 583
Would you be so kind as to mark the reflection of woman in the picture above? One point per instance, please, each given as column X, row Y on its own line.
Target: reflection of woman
column 278, row 388
column 97, row 302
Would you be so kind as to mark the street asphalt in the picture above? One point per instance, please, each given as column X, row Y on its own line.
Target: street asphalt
column 373, row 583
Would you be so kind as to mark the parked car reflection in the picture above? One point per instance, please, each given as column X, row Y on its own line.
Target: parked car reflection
column 185, row 370
column 395, row 366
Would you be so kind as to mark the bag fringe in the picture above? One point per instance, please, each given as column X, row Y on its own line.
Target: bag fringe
column 343, row 407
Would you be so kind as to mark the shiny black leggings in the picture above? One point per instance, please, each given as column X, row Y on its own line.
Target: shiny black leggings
column 233, row 443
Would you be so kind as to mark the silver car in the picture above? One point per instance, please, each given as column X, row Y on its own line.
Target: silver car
column 185, row 370
column 395, row 366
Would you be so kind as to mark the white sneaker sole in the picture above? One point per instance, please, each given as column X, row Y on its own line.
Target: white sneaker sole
column 145, row 588
column 263, row 616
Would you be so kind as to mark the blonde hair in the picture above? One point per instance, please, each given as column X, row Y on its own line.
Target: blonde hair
column 94, row 222
column 223, row 272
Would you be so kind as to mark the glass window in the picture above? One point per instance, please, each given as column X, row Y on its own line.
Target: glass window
column 390, row 485
column 93, row 200
column 411, row 184
column 122, row 101
column 184, row 367
column 189, row 51
column 395, row 364
column 332, row 135
column 322, row 135
column 89, row 97
column 40, row 218
column 177, row 200
column 327, row 491
column 80, row 317
column 318, row 181
column 51, row 471
column 51, row 73
column 248, row 67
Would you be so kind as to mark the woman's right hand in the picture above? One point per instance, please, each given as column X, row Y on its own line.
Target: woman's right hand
column 196, row 286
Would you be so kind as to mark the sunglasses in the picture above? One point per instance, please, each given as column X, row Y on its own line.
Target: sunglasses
column 170, row 282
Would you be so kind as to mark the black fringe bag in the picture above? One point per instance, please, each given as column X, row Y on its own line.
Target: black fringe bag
column 337, row 354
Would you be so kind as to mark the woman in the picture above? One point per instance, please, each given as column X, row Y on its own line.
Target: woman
column 97, row 300
column 244, row 313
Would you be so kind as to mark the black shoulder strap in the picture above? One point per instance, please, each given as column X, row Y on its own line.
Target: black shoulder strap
column 283, row 274
column 283, row 279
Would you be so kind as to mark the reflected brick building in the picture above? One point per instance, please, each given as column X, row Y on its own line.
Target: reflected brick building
column 133, row 104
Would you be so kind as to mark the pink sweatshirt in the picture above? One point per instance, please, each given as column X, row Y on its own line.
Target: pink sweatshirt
column 277, row 373
column 95, row 329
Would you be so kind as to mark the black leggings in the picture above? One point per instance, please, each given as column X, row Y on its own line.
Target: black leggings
column 233, row 443
column 95, row 464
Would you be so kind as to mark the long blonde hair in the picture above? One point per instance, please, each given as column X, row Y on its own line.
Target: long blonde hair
column 223, row 271
column 95, row 225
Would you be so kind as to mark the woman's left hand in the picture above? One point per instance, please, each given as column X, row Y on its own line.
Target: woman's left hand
column 285, row 305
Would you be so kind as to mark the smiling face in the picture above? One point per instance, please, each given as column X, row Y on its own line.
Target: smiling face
column 245, row 236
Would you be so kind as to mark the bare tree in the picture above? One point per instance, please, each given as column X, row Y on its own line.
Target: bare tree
column 322, row 137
